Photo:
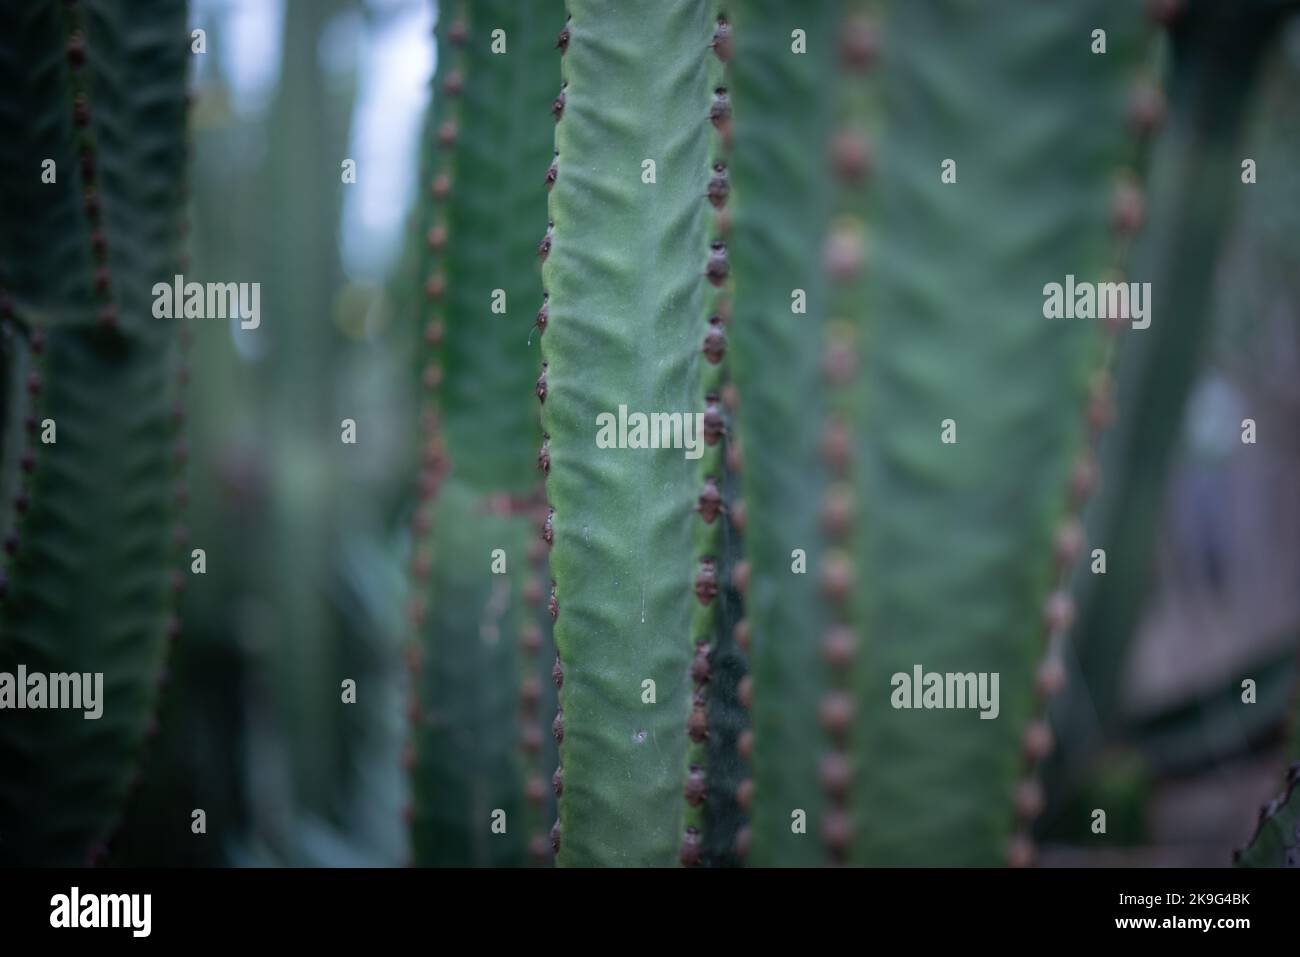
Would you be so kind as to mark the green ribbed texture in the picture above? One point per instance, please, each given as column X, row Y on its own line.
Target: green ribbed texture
column 505, row 137
column 782, row 196
column 45, row 242
column 627, row 292
column 467, row 744
column 466, row 739
column 88, row 588
column 954, row 557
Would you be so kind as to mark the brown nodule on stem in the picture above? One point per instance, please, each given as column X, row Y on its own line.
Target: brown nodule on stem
column 548, row 527
column 541, row 385
column 544, row 247
column 1051, row 677
column 838, row 646
column 1058, row 614
column 557, row 106
column 719, row 186
column 1037, row 741
column 1128, row 209
column 706, row 581
column 744, row 837
column 557, row 673
column 458, row 33
column 715, row 341
column 552, row 172
column 696, row 786
column 544, row 456
column 845, row 253
column 1020, row 851
column 837, row 511
column 718, row 267
column 850, row 156
column 721, row 42
column 835, row 713
column 710, row 500
column 553, row 605
column 700, row 668
column 1083, row 480
column 835, row 774
column 738, row 515
column 745, row 691
column 557, row 727
column 690, row 853
column 714, row 425
column 532, row 592
column 542, row 315
column 836, row 446
column 76, row 49
column 1146, row 108
column 1069, row 542
column 697, row 724
column 1029, row 798
column 837, row 577
column 859, row 44
column 529, row 693
column 720, row 109
column 745, row 744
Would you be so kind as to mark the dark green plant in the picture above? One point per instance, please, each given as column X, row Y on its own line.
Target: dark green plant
column 94, row 551
column 479, row 718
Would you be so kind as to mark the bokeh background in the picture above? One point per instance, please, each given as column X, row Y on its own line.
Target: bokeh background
column 307, row 545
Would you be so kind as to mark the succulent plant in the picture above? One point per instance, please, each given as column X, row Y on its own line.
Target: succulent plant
column 749, row 208
column 92, row 455
column 480, row 767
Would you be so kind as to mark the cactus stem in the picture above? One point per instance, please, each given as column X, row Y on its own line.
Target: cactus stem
column 1146, row 112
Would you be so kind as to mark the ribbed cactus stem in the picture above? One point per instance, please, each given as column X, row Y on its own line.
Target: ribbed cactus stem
column 716, row 788
column 94, row 553
column 626, row 273
column 963, row 466
column 1069, row 545
column 782, row 195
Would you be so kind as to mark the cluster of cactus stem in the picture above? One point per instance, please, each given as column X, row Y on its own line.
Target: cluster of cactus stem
column 752, row 213
column 822, row 229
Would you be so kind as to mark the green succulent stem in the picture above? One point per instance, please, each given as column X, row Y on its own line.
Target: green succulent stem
column 478, row 746
column 94, row 552
column 625, row 274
